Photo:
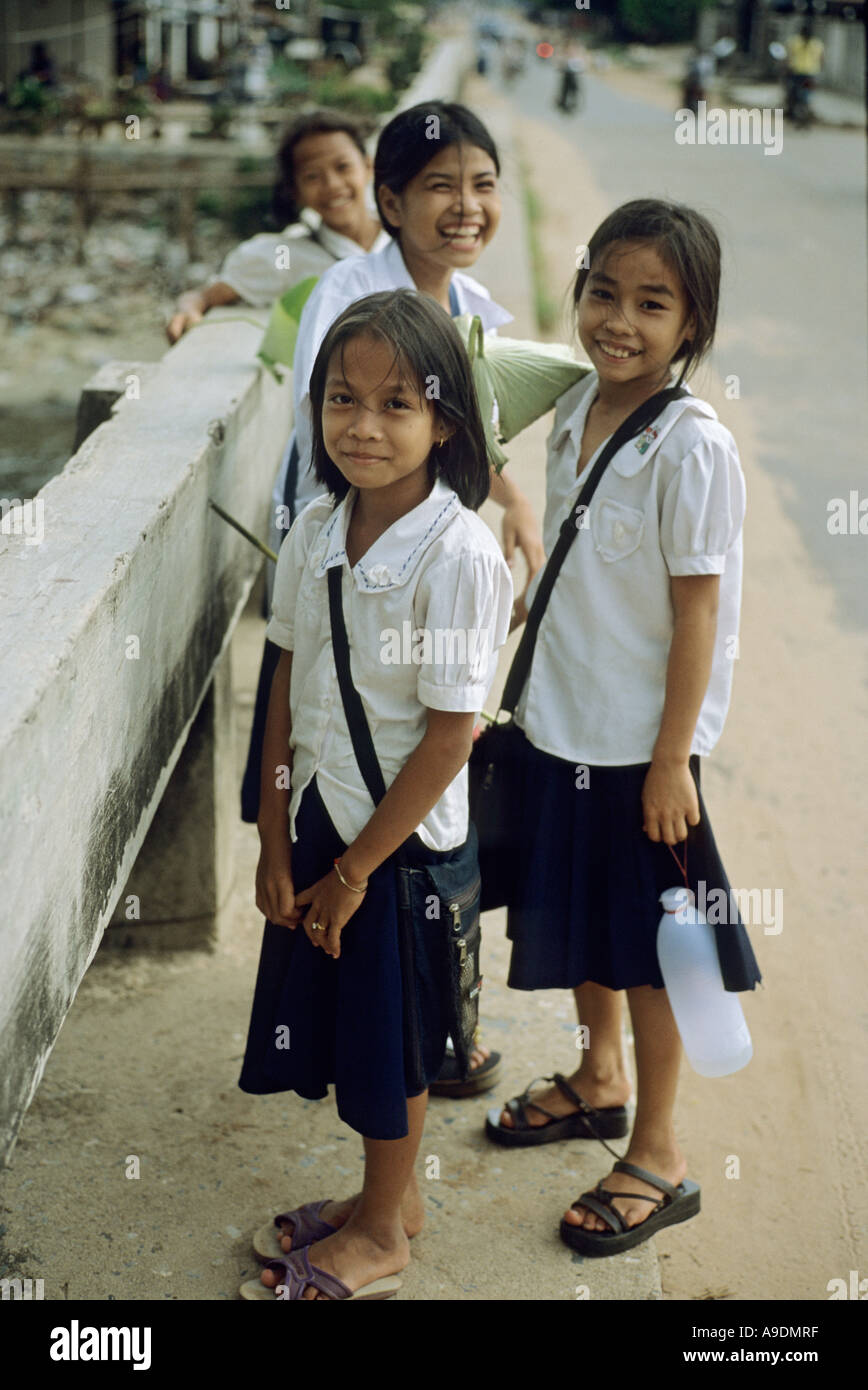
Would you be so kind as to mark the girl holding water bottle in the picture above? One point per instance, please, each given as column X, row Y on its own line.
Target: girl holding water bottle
column 628, row 690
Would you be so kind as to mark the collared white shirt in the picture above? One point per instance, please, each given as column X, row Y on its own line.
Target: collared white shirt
column 255, row 270
column 670, row 503
column 341, row 286
column 426, row 610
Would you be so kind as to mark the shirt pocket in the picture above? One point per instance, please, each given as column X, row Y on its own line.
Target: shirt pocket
column 617, row 530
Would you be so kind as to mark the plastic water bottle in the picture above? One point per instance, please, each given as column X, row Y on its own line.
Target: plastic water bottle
column 709, row 1017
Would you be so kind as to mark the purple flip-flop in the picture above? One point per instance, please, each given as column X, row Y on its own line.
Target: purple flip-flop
column 297, row 1274
column 307, row 1227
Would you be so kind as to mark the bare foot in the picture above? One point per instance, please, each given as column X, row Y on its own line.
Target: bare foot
column 479, row 1055
column 601, row 1093
column 338, row 1213
column 353, row 1255
column 669, row 1163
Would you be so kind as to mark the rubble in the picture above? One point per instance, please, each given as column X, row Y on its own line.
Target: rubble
column 62, row 316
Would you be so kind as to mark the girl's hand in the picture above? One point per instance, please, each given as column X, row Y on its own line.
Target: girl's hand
column 275, row 891
column 189, row 310
column 331, row 905
column 520, row 529
column 182, row 320
column 669, row 802
column 519, row 610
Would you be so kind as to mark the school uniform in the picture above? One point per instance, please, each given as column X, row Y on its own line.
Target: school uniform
column 255, row 270
column 341, row 286
column 670, row 503
column 438, row 568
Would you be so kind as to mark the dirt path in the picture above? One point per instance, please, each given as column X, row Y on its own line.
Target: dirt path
column 789, row 814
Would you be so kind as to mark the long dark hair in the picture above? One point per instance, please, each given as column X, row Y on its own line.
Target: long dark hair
column 687, row 243
column 413, row 138
column 429, row 349
column 284, row 201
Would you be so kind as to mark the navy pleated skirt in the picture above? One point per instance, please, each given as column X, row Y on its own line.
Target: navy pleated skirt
column 343, row 1019
column 587, row 901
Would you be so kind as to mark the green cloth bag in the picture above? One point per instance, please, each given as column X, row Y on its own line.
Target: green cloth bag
column 281, row 332
column 523, row 378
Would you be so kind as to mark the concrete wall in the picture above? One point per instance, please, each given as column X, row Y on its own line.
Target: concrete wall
column 119, row 590
column 111, row 625
column 441, row 76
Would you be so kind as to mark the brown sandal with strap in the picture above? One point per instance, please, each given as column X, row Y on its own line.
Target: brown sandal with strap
column 676, row 1204
column 584, row 1123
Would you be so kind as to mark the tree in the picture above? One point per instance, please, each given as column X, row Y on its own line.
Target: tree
column 660, row 21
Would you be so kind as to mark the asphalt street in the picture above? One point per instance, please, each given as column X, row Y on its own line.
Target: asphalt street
column 793, row 320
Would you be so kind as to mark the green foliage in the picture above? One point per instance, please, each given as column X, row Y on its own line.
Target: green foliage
column 32, row 107
column 245, row 210
column 335, row 91
column 407, row 61
column 382, row 11
column 369, row 101
column 220, row 118
column 289, row 78
column 208, row 203
column 660, row 21
column 248, row 211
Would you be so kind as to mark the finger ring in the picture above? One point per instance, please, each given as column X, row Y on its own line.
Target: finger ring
column 316, row 926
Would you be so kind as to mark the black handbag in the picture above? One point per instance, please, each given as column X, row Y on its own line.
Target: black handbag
column 456, row 886
column 497, row 760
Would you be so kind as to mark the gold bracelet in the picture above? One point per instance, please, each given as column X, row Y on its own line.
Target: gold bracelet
column 349, row 885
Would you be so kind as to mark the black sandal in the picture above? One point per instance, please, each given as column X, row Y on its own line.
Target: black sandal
column 586, row 1123
column 676, row 1204
column 451, row 1083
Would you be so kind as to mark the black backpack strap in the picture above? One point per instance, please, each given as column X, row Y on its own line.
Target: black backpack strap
column 640, row 419
column 360, row 733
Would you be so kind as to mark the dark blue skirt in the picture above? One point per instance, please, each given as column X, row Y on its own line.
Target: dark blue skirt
column 587, row 902
column 345, row 1018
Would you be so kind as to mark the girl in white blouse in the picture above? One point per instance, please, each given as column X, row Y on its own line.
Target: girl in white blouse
column 405, row 469
column 320, row 200
column 629, row 687
column 436, row 172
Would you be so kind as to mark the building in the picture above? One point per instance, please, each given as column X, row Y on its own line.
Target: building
column 754, row 24
column 103, row 40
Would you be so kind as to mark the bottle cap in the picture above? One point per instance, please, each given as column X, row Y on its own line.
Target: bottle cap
column 676, row 899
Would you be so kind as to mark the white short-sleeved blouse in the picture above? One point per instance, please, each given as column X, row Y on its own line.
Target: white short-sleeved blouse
column 426, row 610
column 670, row 503
column 255, row 269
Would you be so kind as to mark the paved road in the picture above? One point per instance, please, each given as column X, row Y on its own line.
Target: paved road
column 793, row 326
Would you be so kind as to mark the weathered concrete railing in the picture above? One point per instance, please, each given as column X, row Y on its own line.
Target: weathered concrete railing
column 119, row 592
column 118, row 596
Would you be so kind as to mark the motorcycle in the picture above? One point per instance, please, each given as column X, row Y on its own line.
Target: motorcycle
column 798, row 87
column 570, row 94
